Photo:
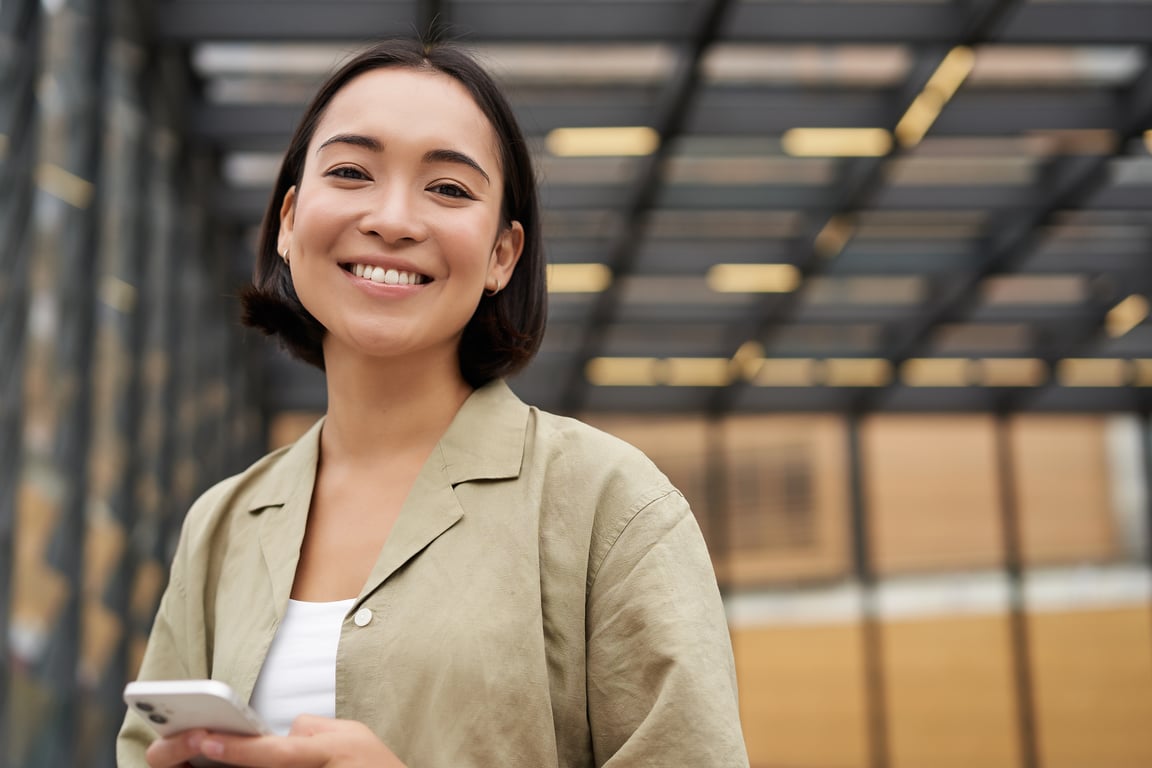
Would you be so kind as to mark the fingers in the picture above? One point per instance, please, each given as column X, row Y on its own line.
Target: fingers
column 263, row 751
column 174, row 751
column 315, row 742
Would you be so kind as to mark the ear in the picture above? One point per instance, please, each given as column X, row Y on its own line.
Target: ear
column 505, row 254
column 287, row 220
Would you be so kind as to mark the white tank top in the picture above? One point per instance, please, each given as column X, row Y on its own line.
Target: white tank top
column 299, row 674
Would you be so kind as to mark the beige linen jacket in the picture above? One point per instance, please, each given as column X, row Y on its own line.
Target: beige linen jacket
column 544, row 599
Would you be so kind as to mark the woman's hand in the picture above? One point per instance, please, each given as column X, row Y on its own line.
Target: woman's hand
column 175, row 751
column 314, row 742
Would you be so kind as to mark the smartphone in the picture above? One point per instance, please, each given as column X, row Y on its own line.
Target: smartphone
column 172, row 706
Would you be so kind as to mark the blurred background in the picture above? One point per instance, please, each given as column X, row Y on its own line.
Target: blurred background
column 869, row 279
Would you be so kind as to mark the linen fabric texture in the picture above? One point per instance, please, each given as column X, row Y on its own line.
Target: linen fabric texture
column 545, row 598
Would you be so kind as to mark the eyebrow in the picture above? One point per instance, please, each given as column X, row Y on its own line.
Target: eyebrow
column 452, row 156
column 355, row 139
column 431, row 156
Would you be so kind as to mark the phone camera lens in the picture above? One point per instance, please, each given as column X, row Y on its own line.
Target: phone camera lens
column 144, row 706
column 157, row 718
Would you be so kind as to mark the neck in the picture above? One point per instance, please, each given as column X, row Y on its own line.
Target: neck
column 383, row 409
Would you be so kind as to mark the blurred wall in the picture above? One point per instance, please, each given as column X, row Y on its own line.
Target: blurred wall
column 995, row 611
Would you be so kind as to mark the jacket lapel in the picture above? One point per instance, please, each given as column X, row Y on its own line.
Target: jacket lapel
column 281, row 534
column 485, row 441
column 430, row 509
column 282, row 499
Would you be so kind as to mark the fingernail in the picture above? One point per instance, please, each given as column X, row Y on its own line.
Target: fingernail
column 195, row 739
column 211, row 748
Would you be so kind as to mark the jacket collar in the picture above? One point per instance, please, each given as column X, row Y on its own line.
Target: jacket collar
column 485, row 441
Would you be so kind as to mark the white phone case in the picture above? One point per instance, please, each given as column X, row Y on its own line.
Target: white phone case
column 172, row 706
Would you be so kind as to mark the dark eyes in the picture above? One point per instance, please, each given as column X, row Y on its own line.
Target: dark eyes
column 348, row 172
column 451, row 190
column 445, row 189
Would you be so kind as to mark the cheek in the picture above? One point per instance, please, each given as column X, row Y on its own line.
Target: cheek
column 476, row 237
column 319, row 216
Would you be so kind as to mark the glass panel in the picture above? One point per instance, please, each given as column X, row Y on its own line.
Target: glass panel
column 787, row 499
column 930, row 486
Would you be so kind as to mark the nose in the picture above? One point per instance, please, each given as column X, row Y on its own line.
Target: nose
column 394, row 215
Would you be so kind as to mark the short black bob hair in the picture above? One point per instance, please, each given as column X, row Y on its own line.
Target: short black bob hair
column 506, row 329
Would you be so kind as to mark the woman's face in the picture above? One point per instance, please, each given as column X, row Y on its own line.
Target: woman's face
column 394, row 231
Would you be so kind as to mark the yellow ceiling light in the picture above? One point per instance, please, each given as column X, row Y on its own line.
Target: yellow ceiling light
column 1012, row 372
column 747, row 361
column 857, row 372
column 921, row 114
column 653, row 371
column 937, row 372
column 1094, row 372
column 1126, row 315
column 952, row 72
column 696, row 371
column 621, row 141
column 753, row 278
column 788, row 372
column 1148, row 141
column 578, row 278
column 1143, row 371
column 834, row 236
column 939, row 89
column 837, row 142
column 623, row 371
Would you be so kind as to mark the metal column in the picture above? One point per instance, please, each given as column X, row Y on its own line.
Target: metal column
column 19, row 54
column 716, row 487
column 116, row 389
column 160, row 306
column 872, row 634
column 1020, row 650
column 192, row 341
column 52, row 512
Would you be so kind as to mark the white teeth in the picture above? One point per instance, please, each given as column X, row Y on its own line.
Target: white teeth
column 387, row 276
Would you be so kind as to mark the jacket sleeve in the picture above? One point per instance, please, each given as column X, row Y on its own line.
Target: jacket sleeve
column 166, row 658
column 661, row 677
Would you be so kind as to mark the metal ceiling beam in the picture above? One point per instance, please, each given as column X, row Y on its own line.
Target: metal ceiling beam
column 1066, row 184
column 1136, row 101
column 750, row 112
column 245, row 205
column 655, row 21
column 753, row 111
column 859, row 182
column 669, row 120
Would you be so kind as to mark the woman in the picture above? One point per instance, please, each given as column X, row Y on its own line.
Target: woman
column 436, row 574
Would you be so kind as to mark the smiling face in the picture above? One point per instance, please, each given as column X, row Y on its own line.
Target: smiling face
column 395, row 229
